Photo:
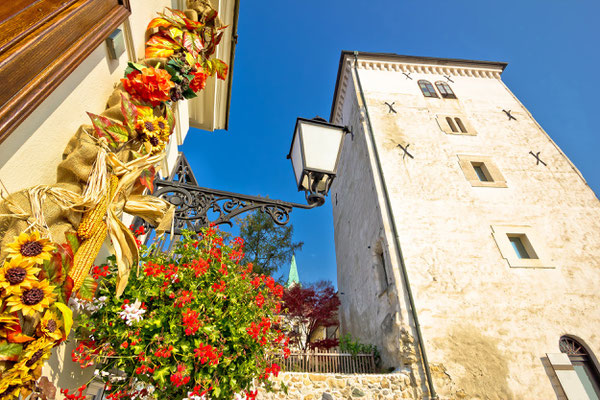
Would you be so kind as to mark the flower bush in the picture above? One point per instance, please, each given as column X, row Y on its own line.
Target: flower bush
column 195, row 322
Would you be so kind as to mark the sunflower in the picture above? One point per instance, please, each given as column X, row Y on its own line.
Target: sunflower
column 153, row 143
column 35, row 298
column 150, row 125
column 7, row 323
column 16, row 274
column 33, row 356
column 10, row 384
column 33, row 248
column 50, row 326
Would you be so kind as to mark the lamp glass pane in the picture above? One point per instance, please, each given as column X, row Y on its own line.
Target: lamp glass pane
column 296, row 156
column 321, row 146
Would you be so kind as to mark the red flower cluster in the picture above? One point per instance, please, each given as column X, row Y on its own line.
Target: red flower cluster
column 275, row 288
column 75, row 395
column 143, row 369
column 97, row 271
column 260, row 300
column 273, row 369
column 219, row 287
column 200, row 266
column 255, row 282
column 207, row 353
column 163, row 352
column 190, row 321
column 184, row 298
column 85, row 354
column 153, row 269
column 223, row 269
column 178, row 378
column 251, row 395
column 253, row 330
column 236, row 256
column 151, row 85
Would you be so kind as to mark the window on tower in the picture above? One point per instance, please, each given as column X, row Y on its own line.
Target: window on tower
column 583, row 365
column 481, row 171
column 427, row 89
column 455, row 124
column 521, row 247
column 451, row 124
column 461, row 126
column 445, row 90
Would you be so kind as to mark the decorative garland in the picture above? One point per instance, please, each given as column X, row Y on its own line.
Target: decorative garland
column 50, row 235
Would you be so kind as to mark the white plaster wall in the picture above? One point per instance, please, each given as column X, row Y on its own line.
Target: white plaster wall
column 30, row 155
column 488, row 326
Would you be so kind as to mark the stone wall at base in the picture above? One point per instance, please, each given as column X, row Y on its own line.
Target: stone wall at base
column 308, row 386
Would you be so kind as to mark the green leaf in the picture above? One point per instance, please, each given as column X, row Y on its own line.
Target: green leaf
column 175, row 33
column 189, row 93
column 73, row 241
column 67, row 314
column 118, row 133
column 162, row 373
column 129, row 111
column 220, row 68
column 10, row 351
column 147, row 178
column 88, row 288
column 187, row 42
column 170, row 116
column 114, row 132
column 131, row 66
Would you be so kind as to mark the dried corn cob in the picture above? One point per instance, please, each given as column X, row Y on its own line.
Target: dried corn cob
column 92, row 219
column 85, row 256
column 93, row 232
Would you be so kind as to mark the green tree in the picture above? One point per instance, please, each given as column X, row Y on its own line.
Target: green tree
column 267, row 245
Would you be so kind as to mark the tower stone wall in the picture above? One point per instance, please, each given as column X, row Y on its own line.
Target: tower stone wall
column 488, row 318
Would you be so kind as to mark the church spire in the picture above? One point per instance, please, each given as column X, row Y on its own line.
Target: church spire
column 293, row 275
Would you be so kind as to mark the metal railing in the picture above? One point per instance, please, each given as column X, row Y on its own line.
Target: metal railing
column 328, row 361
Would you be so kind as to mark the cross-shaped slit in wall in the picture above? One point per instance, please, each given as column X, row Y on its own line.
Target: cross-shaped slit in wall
column 407, row 75
column 509, row 115
column 391, row 106
column 405, row 149
column 447, row 77
column 538, row 160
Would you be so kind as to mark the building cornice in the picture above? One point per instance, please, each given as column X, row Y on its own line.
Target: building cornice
column 408, row 64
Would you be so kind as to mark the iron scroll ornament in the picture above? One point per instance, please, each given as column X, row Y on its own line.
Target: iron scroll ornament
column 197, row 207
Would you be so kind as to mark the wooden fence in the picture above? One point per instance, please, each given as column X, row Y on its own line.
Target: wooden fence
column 328, row 362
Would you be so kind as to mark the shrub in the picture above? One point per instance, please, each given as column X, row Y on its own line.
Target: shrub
column 191, row 323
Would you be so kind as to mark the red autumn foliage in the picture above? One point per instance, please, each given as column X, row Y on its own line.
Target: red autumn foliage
column 310, row 308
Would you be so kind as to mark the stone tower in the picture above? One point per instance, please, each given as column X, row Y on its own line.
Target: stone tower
column 467, row 243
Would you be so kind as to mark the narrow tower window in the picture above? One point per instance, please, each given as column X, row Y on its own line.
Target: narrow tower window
column 445, row 90
column 461, row 126
column 481, row 172
column 520, row 244
column 583, row 365
column 451, row 124
column 427, row 89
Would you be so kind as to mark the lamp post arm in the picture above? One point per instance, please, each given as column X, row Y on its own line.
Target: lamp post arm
column 193, row 203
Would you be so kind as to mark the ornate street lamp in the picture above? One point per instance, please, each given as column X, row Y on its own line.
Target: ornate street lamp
column 315, row 152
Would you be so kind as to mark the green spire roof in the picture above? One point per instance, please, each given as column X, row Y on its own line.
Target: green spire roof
column 293, row 275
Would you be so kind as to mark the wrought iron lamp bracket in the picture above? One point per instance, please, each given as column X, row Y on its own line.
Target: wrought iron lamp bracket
column 193, row 203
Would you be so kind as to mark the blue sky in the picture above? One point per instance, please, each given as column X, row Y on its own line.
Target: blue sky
column 286, row 65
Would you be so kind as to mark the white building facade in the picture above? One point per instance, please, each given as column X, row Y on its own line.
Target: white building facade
column 464, row 236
